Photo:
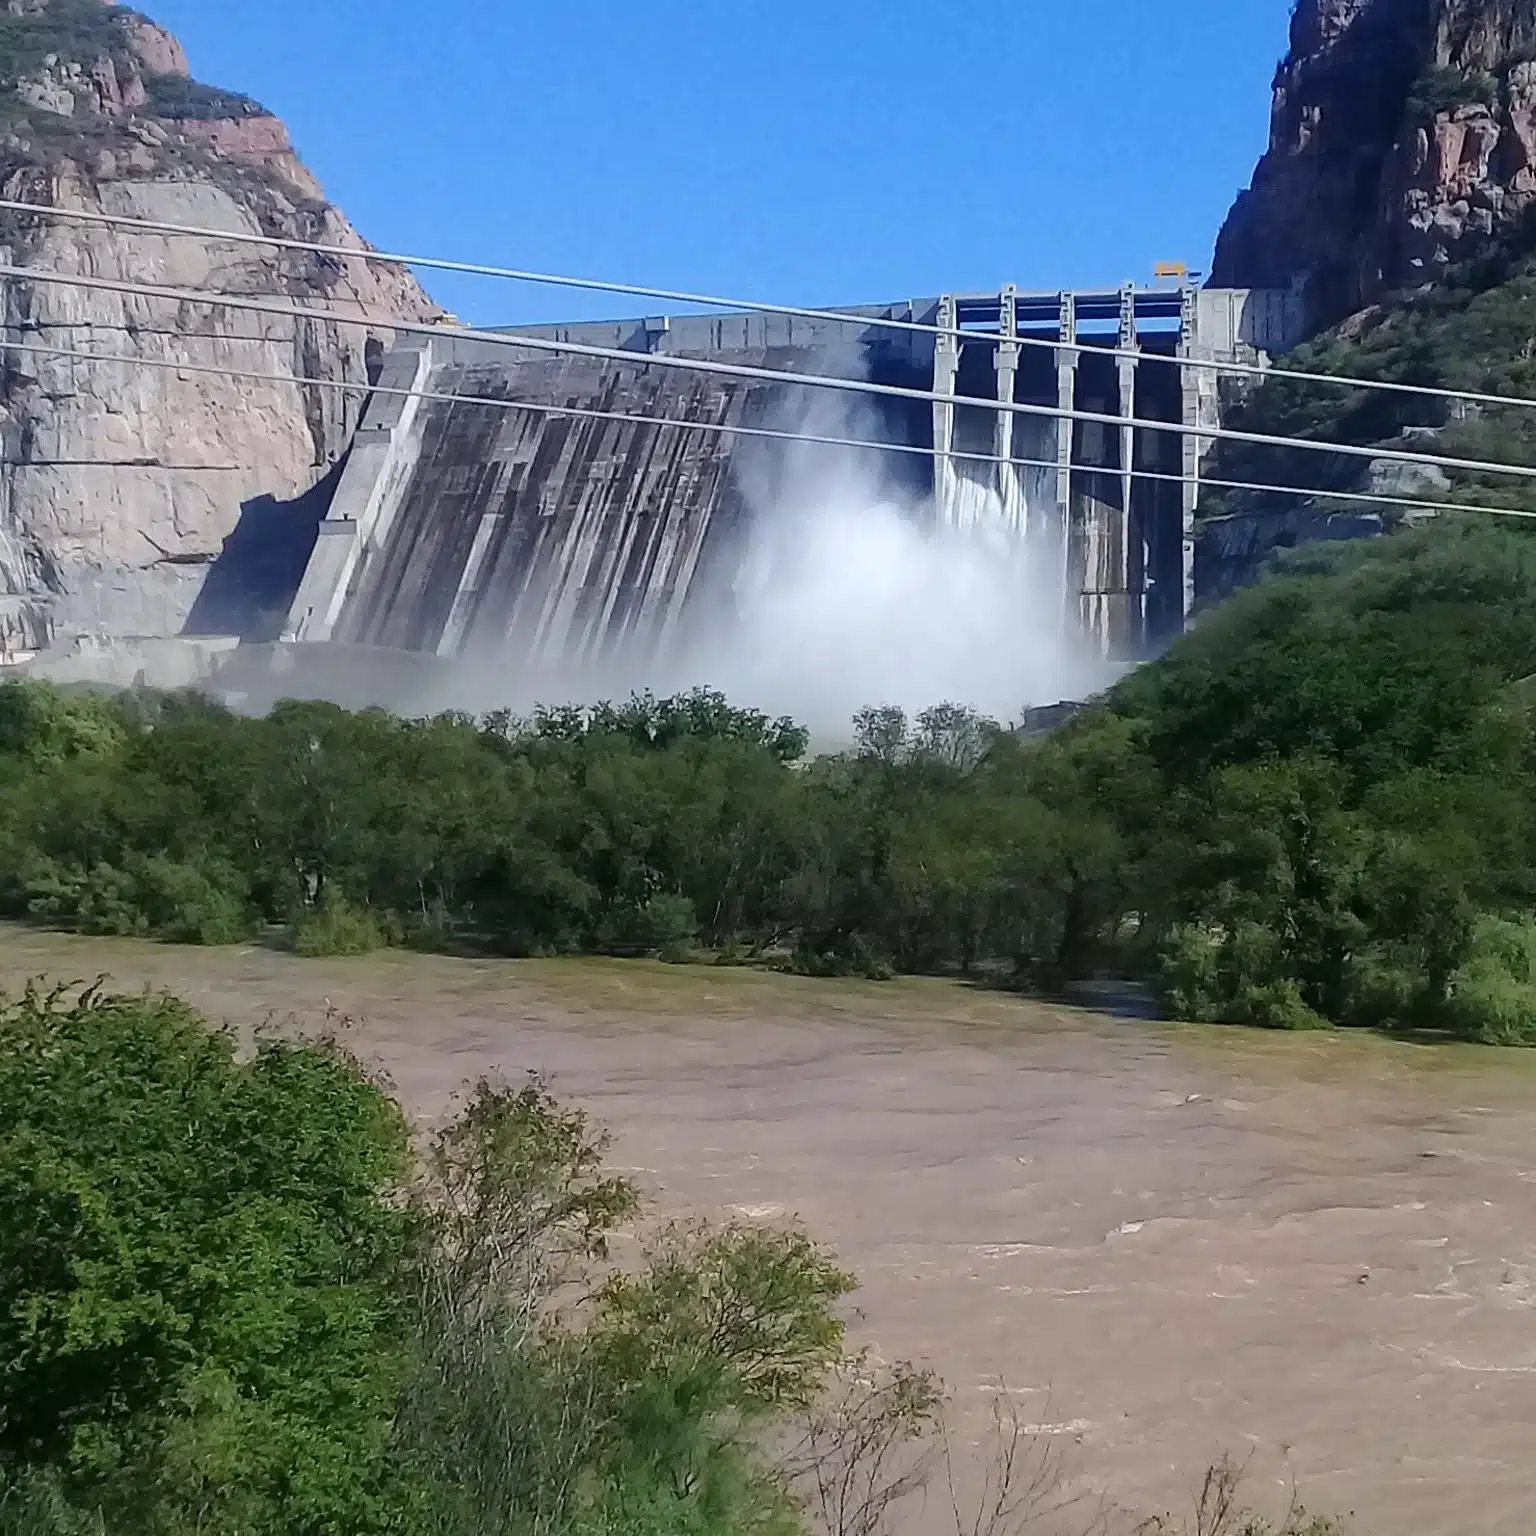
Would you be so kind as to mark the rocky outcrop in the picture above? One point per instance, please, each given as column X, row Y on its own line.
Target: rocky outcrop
column 1403, row 141
column 156, row 50
column 122, row 480
column 257, row 141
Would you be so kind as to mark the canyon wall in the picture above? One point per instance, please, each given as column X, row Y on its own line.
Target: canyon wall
column 1402, row 142
column 123, row 482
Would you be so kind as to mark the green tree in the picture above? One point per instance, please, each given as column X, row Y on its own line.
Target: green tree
column 201, row 1318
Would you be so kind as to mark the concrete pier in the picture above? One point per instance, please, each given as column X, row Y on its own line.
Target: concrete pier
column 1131, row 558
column 1066, row 400
column 946, row 377
column 1010, row 487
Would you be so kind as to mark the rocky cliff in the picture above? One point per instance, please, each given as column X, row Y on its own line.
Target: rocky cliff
column 1399, row 194
column 122, row 484
column 1403, row 142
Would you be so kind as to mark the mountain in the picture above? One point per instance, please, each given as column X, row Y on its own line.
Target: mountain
column 1398, row 194
column 1403, row 142
column 121, row 484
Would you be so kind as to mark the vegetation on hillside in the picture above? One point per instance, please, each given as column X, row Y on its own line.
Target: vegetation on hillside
column 83, row 32
column 1474, row 331
column 232, row 1298
column 178, row 96
column 78, row 30
column 1318, row 807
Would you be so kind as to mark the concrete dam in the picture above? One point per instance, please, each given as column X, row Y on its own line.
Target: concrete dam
column 465, row 529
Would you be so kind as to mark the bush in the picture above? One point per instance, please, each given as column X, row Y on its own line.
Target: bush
column 78, row 30
column 199, row 1259
column 843, row 956
column 1298, row 814
column 1238, row 977
column 664, row 925
column 185, row 903
column 1220, row 1512
column 204, row 903
column 333, row 926
column 1493, row 995
column 655, row 1412
column 1444, row 88
column 234, row 1302
column 175, row 96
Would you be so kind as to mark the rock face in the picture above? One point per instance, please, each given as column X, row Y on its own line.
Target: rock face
column 1403, row 140
column 122, row 481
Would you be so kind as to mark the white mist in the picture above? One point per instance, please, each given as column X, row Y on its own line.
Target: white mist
column 850, row 595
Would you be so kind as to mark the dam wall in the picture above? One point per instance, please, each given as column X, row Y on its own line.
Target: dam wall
column 468, row 528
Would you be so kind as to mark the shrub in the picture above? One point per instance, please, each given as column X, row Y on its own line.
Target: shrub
column 231, row 1303
column 664, row 925
column 1220, row 1512
column 1214, row 976
column 192, row 903
column 333, row 926
column 644, row 1414
column 839, row 956
column 201, row 1326
column 175, row 96
column 186, row 903
column 1493, row 995
column 1444, row 88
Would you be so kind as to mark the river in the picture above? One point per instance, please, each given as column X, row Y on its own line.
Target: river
column 1157, row 1243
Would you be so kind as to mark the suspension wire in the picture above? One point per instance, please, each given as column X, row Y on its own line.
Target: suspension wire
column 751, row 306
column 585, row 413
column 763, row 375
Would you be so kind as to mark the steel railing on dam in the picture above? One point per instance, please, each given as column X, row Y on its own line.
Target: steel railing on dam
column 464, row 527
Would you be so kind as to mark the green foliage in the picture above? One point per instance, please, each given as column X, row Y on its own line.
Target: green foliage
column 1346, row 785
column 333, row 926
column 201, row 902
column 648, row 1414
column 749, row 1307
column 230, row 1304
column 201, row 1319
column 1444, row 88
column 1236, row 977
column 1493, row 993
column 1304, row 813
column 42, row 727
column 83, row 33
column 1469, row 331
column 78, row 30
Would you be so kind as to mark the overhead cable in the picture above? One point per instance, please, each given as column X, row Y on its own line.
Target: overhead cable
column 751, row 306
column 780, row 377
column 584, row 413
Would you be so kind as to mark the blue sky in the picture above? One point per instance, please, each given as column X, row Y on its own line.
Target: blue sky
column 805, row 151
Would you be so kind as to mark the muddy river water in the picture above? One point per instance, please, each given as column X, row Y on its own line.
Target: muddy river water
column 1161, row 1244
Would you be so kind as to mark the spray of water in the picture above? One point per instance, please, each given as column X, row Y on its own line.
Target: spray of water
column 853, row 590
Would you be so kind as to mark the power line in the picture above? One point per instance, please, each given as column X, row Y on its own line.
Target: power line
column 751, row 306
column 583, row 413
column 771, row 376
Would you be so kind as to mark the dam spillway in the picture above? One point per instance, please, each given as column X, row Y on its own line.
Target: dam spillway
column 463, row 527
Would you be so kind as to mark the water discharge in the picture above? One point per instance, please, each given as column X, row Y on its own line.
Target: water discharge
column 855, row 588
